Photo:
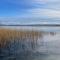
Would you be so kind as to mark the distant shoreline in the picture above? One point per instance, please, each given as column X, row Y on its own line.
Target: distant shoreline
column 31, row 25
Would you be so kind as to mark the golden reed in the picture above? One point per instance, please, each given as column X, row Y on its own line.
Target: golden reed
column 7, row 35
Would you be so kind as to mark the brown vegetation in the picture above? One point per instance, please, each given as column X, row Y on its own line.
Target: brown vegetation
column 7, row 35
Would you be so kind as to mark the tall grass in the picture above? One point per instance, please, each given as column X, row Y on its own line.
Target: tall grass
column 8, row 35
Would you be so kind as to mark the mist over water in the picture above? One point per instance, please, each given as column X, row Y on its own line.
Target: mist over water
column 47, row 47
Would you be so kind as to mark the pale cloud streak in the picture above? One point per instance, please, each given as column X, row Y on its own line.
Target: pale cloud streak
column 40, row 1
column 37, row 9
column 46, row 12
column 52, row 9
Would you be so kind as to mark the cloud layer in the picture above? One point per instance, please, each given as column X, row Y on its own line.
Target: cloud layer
column 41, row 10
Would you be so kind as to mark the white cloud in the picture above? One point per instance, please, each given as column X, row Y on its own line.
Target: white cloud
column 52, row 9
column 53, row 4
column 53, row 1
column 40, row 1
column 50, row 13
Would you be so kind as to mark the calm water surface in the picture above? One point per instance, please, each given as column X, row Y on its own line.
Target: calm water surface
column 50, row 50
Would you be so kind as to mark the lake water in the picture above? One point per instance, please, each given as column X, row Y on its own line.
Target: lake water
column 49, row 50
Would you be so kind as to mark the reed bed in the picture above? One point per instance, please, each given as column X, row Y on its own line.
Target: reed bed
column 8, row 35
column 20, row 43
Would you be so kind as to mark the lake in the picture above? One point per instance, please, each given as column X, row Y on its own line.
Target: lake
column 47, row 49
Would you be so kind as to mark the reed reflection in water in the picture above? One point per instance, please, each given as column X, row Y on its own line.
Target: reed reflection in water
column 25, row 45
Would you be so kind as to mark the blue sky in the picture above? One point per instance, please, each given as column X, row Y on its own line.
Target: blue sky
column 30, row 11
column 14, row 8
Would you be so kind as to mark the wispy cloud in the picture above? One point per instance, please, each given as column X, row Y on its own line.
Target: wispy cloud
column 49, row 13
column 49, row 9
column 34, row 9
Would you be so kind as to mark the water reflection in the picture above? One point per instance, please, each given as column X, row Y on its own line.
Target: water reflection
column 46, row 48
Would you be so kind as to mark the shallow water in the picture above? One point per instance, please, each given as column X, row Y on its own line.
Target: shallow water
column 48, row 50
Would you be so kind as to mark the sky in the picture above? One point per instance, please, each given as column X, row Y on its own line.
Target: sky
column 30, row 11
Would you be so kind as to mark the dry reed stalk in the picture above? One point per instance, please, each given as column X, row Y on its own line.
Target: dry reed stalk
column 7, row 35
